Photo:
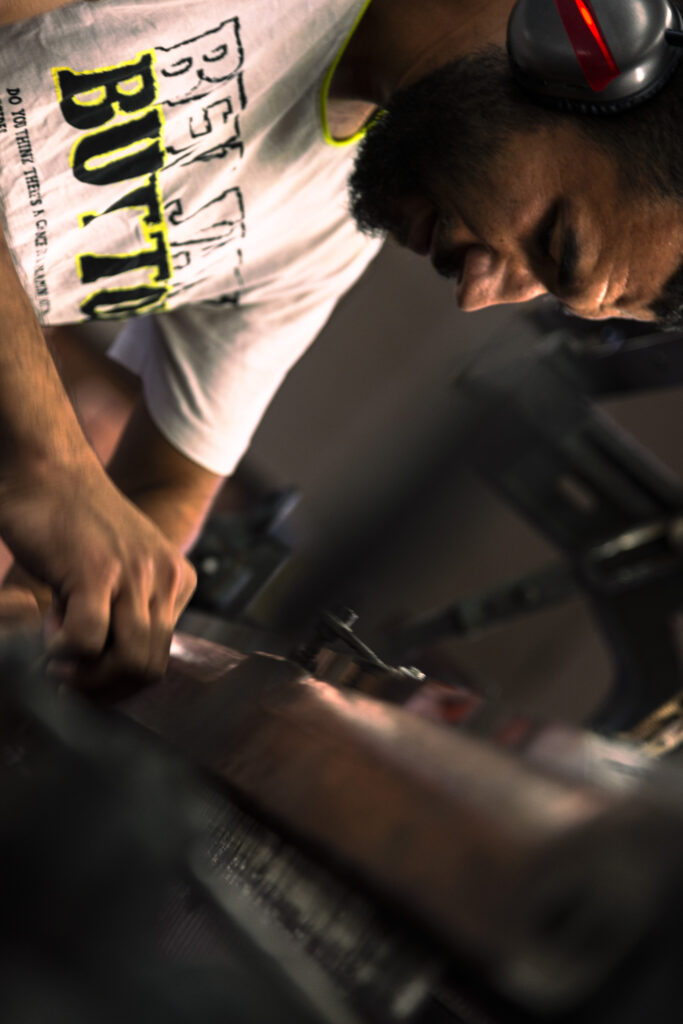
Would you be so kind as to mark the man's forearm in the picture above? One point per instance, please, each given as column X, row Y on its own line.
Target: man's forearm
column 19, row 10
column 178, row 515
column 118, row 583
column 172, row 490
column 37, row 423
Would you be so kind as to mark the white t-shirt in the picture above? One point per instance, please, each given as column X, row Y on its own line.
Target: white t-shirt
column 167, row 157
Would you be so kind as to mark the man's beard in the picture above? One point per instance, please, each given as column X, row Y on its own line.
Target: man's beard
column 668, row 308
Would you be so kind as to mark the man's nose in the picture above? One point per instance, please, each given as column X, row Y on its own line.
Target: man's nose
column 488, row 280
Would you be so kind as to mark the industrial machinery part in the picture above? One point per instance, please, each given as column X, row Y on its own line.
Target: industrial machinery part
column 340, row 856
column 614, row 513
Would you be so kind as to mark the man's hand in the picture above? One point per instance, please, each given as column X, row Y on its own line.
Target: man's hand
column 175, row 492
column 18, row 609
column 119, row 585
column 19, row 10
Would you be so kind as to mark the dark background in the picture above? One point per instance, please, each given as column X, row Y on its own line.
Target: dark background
column 389, row 520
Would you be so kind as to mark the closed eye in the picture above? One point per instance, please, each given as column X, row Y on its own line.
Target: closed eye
column 569, row 260
column 563, row 268
column 545, row 231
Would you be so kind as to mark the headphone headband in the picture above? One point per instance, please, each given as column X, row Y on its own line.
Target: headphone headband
column 594, row 56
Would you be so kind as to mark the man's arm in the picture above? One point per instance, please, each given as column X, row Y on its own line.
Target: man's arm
column 119, row 583
column 19, row 10
column 173, row 491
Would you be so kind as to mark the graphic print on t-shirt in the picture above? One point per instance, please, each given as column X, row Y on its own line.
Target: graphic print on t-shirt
column 156, row 138
column 16, row 118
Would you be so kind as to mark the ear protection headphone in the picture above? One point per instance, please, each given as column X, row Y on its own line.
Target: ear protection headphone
column 594, row 56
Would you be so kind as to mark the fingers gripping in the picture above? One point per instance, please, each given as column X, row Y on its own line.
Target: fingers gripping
column 125, row 631
column 166, row 607
column 84, row 626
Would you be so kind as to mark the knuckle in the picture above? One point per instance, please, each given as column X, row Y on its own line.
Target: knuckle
column 99, row 579
column 189, row 577
column 103, row 568
column 173, row 573
column 181, row 576
column 140, row 569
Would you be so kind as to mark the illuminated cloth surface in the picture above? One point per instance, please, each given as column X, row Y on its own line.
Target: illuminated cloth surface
column 167, row 157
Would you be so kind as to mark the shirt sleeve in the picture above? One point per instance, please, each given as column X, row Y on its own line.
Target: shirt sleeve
column 209, row 371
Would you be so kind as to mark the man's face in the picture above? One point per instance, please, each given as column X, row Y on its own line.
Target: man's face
column 549, row 215
column 542, row 210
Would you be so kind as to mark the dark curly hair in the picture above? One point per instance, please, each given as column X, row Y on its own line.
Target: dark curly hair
column 458, row 117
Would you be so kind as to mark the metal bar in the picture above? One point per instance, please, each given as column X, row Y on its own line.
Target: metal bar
column 544, row 588
column 477, row 845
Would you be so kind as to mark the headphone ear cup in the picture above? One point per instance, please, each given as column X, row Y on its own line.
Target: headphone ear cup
column 593, row 56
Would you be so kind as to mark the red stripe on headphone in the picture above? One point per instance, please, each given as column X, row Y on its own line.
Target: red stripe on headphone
column 589, row 44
